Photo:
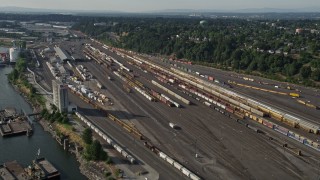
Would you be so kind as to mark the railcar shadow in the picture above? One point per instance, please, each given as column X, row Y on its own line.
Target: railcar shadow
column 103, row 113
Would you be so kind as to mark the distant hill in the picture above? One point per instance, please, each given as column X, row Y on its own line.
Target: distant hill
column 276, row 10
column 26, row 10
column 13, row 9
column 248, row 10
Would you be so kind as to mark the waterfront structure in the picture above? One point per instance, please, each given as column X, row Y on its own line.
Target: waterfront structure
column 12, row 123
column 14, row 53
column 4, row 54
column 39, row 169
column 60, row 95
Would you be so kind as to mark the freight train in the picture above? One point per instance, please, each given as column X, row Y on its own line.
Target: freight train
column 247, row 103
column 287, row 132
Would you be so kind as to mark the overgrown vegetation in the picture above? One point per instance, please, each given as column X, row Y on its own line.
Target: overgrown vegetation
column 55, row 115
column 18, row 78
column 264, row 47
column 95, row 152
column 87, row 136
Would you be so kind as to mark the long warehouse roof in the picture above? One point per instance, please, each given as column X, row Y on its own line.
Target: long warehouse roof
column 62, row 54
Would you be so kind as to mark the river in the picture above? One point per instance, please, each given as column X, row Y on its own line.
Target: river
column 23, row 148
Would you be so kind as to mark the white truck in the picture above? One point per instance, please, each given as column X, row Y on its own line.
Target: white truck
column 173, row 126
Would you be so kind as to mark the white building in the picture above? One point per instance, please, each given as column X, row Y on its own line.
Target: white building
column 14, row 53
column 60, row 95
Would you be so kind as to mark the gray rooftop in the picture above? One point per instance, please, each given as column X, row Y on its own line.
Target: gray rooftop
column 62, row 54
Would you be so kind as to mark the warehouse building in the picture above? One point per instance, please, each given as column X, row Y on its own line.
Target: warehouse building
column 63, row 55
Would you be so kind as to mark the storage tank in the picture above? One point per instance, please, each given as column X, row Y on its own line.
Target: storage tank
column 14, row 53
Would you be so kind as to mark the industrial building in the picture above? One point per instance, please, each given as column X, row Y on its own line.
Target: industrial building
column 4, row 54
column 14, row 53
column 60, row 95
column 63, row 55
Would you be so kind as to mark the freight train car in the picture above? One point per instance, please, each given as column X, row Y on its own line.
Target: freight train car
column 274, row 113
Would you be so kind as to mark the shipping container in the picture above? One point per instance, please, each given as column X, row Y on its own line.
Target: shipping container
column 177, row 165
column 253, row 117
column 294, row 95
column 194, row 177
column 257, row 112
column 240, row 115
column 316, row 145
column 267, row 123
column 245, row 107
column 186, row 172
column 229, row 110
column 253, row 128
column 169, row 160
column 207, row 103
column 162, row 155
column 281, row 129
column 242, row 122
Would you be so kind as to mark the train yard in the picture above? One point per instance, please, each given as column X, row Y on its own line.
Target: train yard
column 195, row 124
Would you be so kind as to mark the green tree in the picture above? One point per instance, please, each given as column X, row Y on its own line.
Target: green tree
column 87, row 136
column 315, row 75
column 292, row 69
column 44, row 112
column 95, row 152
column 305, row 72
column 53, row 107
column 57, row 116
column 21, row 65
column 65, row 120
column 13, row 75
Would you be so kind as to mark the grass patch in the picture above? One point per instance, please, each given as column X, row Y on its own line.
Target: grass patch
column 67, row 130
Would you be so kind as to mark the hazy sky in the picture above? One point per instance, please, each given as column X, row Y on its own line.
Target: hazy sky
column 147, row 5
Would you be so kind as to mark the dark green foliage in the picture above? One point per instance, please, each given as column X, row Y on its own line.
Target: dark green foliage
column 117, row 172
column 109, row 160
column 316, row 75
column 21, row 65
column 17, row 77
column 305, row 72
column 224, row 43
column 55, row 116
column 13, row 75
column 87, row 136
column 44, row 113
column 95, row 152
column 107, row 174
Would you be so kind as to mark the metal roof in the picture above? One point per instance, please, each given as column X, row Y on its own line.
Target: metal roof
column 61, row 53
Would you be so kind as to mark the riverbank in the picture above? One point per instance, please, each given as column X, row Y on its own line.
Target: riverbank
column 24, row 149
column 89, row 169
column 92, row 170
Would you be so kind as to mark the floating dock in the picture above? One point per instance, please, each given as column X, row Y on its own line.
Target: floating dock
column 39, row 169
column 43, row 169
column 12, row 171
column 12, row 123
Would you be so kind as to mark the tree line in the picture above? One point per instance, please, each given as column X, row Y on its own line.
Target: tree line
column 266, row 47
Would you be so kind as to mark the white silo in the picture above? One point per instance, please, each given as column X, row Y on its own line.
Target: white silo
column 14, row 53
